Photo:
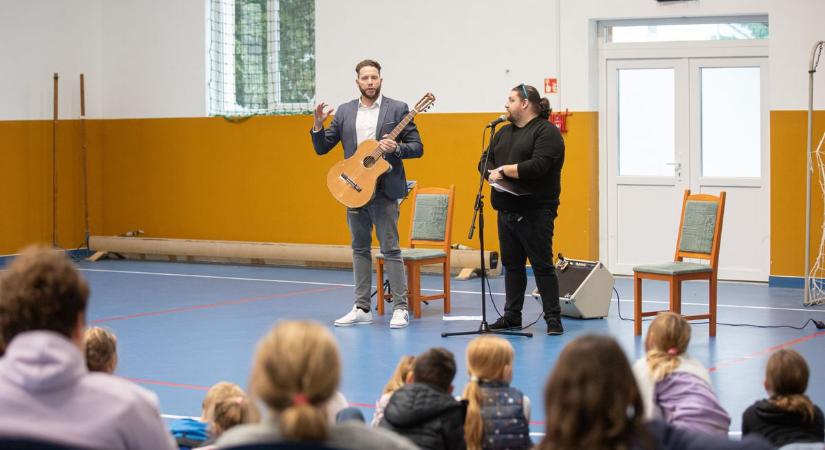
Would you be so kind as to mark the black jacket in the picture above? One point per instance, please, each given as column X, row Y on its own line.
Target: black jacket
column 429, row 417
column 782, row 427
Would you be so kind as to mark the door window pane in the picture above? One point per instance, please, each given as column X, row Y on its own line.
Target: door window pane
column 731, row 126
column 647, row 119
column 654, row 32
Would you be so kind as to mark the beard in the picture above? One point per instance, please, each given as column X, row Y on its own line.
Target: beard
column 373, row 96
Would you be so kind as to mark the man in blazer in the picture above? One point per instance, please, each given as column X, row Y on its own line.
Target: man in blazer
column 372, row 116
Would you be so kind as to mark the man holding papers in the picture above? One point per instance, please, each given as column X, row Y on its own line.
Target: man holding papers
column 524, row 168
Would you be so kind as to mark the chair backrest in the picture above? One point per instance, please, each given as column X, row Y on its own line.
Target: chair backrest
column 431, row 219
column 700, row 228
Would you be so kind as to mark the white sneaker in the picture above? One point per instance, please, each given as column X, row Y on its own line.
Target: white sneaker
column 354, row 317
column 400, row 318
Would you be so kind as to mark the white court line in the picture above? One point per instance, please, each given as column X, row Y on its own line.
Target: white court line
column 188, row 275
column 173, row 416
column 451, row 318
column 269, row 280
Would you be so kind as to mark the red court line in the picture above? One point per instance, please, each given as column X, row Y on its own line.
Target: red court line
column 214, row 305
column 169, row 384
column 766, row 351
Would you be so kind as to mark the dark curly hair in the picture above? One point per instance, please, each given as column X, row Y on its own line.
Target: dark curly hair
column 40, row 290
column 540, row 104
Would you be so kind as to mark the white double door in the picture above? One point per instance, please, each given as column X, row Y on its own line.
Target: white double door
column 686, row 123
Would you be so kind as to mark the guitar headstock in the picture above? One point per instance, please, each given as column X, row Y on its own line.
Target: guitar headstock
column 425, row 103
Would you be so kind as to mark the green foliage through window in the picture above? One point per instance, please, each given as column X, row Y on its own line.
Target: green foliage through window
column 262, row 57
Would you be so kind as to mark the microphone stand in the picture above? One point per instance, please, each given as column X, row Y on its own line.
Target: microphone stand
column 478, row 213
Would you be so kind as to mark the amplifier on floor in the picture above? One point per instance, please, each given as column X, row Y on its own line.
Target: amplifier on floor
column 585, row 288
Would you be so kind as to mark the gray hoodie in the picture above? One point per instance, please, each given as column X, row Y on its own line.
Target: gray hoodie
column 46, row 393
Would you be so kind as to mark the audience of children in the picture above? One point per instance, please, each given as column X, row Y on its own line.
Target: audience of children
column 787, row 416
column 399, row 378
column 424, row 410
column 675, row 387
column 296, row 371
column 592, row 401
column 497, row 414
column 101, row 350
column 46, row 391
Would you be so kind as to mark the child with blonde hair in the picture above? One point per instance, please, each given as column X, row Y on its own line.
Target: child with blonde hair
column 787, row 416
column 101, row 350
column 497, row 414
column 224, row 406
column 674, row 386
column 295, row 373
column 398, row 379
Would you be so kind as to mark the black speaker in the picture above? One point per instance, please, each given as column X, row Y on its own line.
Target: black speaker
column 585, row 288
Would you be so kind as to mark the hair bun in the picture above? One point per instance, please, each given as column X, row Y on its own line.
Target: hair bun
column 544, row 108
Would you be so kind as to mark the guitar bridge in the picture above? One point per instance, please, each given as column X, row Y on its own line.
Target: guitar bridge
column 350, row 182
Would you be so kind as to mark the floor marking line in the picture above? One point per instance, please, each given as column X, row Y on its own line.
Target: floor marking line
column 318, row 283
column 168, row 384
column 766, row 351
column 213, row 305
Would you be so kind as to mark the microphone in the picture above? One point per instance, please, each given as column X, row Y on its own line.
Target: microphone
column 500, row 119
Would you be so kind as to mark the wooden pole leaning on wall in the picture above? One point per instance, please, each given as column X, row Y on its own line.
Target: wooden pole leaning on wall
column 54, row 164
column 84, row 157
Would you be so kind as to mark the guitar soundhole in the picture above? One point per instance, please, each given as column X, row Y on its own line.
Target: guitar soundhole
column 369, row 161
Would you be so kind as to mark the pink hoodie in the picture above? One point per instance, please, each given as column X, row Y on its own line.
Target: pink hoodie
column 46, row 393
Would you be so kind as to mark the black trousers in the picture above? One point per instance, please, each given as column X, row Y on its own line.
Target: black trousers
column 523, row 236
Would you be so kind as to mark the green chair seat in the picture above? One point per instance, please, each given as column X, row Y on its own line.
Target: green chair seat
column 673, row 268
column 415, row 254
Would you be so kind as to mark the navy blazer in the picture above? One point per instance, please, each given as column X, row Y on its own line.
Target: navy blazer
column 342, row 129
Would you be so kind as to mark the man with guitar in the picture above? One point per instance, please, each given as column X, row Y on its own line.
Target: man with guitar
column 370, row 121
column 529, row 153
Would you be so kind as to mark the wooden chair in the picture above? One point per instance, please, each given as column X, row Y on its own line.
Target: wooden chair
column 431, row 225
column 700, row 232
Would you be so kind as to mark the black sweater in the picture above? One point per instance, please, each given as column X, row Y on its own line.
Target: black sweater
column 782, row 427
column 538, row 149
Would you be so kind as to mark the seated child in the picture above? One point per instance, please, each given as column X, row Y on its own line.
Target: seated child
column 398, row 379
column 101, row 350
column 787, row 416
column 497, row 414
column 424, row 411
column 675, row 387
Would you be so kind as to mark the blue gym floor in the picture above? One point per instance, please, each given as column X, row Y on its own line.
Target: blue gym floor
column 183, row 327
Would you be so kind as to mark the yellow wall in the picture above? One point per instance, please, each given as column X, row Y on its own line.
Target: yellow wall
column 26, row 183
column 788, row 146
column 259, row 180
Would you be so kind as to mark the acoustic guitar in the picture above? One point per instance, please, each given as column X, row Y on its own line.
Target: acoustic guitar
column 353, row 180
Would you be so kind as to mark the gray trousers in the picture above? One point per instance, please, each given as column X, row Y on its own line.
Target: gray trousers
column 383, row 213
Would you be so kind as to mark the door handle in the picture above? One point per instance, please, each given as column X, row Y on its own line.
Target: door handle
column 677, row 168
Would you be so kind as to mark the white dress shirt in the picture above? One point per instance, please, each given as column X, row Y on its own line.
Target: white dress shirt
column 366, row 121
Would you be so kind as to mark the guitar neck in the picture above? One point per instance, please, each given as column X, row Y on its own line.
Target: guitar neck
column 401, row 125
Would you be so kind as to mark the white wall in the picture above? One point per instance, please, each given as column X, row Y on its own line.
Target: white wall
column 154, row 58
column 468, row 53
column 39, row 38
column 795, row 25
column 147, row 58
